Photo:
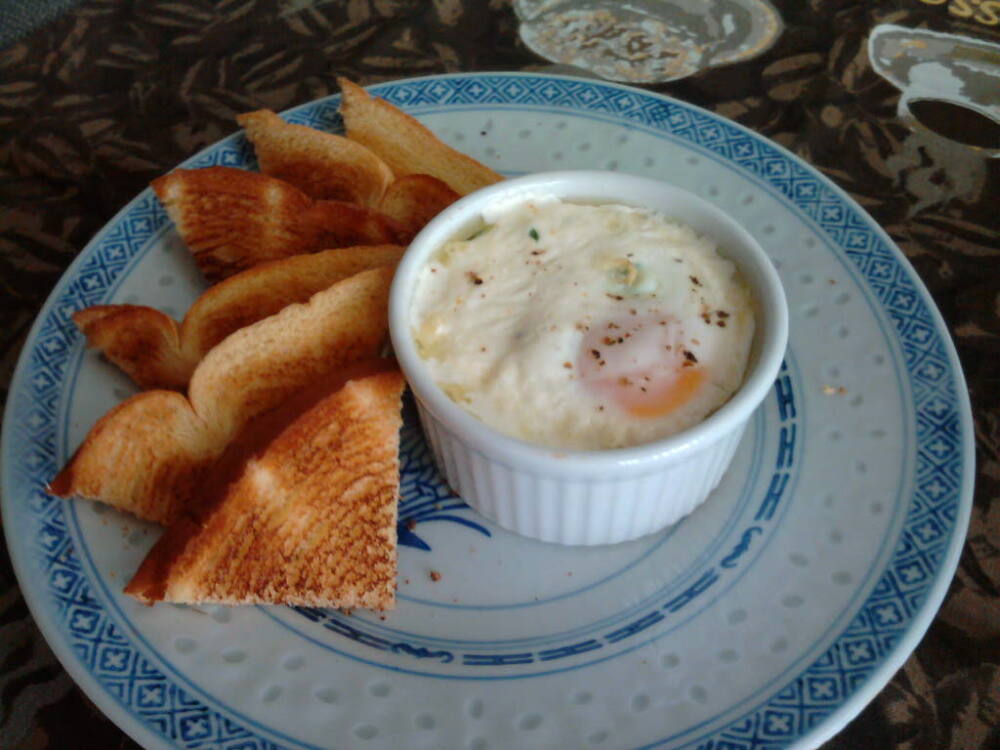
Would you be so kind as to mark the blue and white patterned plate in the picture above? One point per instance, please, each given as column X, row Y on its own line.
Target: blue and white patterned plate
column 768, row 618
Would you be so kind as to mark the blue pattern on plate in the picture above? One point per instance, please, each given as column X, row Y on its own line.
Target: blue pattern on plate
column 423, row 496
column 903, row 587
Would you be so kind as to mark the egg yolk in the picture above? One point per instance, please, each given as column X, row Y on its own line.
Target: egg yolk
column 640, row 364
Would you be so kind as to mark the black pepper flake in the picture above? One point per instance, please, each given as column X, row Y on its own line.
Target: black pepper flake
column 642, row 388
column 474, row 278
column 533, row 233
column 612, row 326
column 614, row 296
column 722, row 313
column 595, row 353
column 621, row 340
column 600, row 408
column 720, row 323
column 537, row 252
column 694, row 280
column 689, row 356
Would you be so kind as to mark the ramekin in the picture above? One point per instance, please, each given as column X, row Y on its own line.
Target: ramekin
column 597, row 496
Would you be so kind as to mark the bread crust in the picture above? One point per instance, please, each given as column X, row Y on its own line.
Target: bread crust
column 323, row 165
column 405, row 145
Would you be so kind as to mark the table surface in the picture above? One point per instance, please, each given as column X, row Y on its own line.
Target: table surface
column 96, row 103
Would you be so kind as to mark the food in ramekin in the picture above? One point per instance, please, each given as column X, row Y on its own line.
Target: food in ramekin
column 583, row 326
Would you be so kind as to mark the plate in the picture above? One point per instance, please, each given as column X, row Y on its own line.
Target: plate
column 769, row 617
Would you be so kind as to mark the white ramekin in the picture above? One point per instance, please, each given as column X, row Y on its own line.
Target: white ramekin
column 589, row 497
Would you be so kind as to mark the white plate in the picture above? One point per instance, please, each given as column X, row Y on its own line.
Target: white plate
column 768, row 617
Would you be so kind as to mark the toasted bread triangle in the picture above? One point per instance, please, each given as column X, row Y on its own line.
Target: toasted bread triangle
column 322, row 165
column 311, row 520
column 232, row 219
column 405, row 145
column 156, row 352
column 147, row 454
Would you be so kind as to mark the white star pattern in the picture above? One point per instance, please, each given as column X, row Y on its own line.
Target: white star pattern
column 61, row 581
column 931, row 370
column 904, row 300
column 196, row 727
column 935, row 489
column 926, row 532
column 880, row 269
column 858, row 652
column 822, row 689
column 114, row 659
column 83, row 621
column 887, row 615
column 939, row 448
column 778, row 724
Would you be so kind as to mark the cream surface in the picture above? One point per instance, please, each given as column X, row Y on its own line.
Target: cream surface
column 583, row 326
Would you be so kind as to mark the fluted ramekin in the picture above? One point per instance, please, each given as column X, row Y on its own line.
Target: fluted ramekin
column 595, row 496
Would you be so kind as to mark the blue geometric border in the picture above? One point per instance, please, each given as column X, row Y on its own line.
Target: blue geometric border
column 907, row 591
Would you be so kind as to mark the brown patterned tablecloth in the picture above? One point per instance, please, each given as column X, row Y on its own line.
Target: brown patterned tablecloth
column 113, row 93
